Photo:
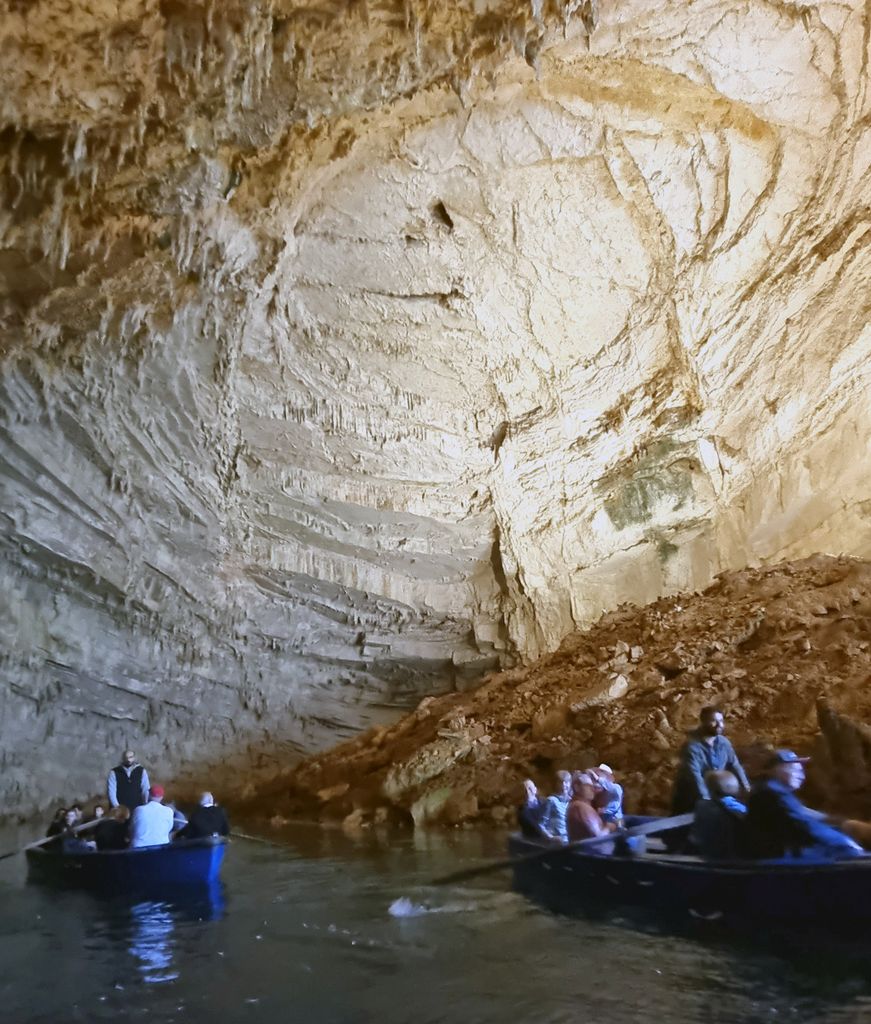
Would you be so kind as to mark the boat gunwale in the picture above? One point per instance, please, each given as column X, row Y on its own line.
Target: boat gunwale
column 176, row 846
column 696, row 864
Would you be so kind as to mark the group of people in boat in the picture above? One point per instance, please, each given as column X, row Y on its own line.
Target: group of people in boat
column 731, row 817
column 137, row 816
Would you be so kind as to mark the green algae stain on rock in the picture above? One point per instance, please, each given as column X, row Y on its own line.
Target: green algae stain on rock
column 665, row 549
column 656, row 485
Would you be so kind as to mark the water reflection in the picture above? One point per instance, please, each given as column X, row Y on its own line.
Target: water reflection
column 151, row 937
column 151, row 941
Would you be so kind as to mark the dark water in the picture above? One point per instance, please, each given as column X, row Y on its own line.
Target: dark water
column 304, row 933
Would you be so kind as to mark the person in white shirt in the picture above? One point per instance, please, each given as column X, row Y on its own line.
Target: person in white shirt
column 151, row 823
column 553, row 816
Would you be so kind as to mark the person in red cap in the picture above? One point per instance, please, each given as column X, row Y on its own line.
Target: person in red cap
column 151, row 824
column 779, row 825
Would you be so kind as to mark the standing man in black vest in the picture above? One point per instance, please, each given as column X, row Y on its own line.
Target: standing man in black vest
column 128, row 783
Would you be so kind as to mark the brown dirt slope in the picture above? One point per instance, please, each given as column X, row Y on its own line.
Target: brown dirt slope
column 783, row 650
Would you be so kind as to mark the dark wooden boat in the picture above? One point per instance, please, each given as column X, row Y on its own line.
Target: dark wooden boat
column 186, row 862
column 569, row 880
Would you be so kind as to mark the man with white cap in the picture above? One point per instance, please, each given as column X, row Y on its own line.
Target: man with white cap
column 779, row 825
column 609, row 800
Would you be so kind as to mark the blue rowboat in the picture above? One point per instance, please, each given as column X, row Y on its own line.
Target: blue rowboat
column 186, row 862
column 789, row 891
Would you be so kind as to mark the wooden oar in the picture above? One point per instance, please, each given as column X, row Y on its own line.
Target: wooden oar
column 48, row 839
column 257, row 839
column 649, row 828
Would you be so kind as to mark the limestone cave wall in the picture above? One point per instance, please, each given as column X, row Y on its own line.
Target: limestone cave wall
column 353, row 349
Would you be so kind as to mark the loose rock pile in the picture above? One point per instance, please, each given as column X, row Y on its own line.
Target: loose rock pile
column 785, row 650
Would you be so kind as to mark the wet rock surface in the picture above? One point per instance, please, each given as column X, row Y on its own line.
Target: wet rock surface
column 785, row 651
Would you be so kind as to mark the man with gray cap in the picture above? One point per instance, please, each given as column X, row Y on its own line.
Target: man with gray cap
column 779, row 825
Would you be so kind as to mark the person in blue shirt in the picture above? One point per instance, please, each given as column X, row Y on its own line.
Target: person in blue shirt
column 553, row 817
column 778, row 824
column 706, row 750
column 717, row 826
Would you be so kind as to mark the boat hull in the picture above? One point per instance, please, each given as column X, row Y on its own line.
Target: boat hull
column 193, row 862
column 746, row 890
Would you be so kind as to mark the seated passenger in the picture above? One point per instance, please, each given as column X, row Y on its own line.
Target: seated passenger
column 530, row 811
column 582, row 818
column 151, row 823
column 207, row 820
column 553, row 817
column 98, row 812
column 113, row 831
column 58, row 822
column 609, row 799
column 779, row 825
column 70, row 842
column 715, row 830
column 179, row 818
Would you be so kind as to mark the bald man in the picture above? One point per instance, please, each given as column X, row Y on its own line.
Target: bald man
column 127, row 784
column 207, row 820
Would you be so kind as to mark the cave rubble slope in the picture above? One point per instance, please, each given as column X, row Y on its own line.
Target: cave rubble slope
column 784, row 651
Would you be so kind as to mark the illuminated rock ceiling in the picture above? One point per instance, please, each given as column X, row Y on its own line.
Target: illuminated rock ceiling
column 351, row 349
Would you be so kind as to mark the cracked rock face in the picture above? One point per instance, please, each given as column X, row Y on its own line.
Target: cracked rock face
column 784, row 650
column 352, row 350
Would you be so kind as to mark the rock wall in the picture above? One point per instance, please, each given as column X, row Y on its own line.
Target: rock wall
column 352, row 350
column 783, row 650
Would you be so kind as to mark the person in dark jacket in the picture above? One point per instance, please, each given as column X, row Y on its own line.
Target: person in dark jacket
column 69, row 840
column 779, row 825
column 113, row 832
column 207, row 820
column 128, row 783
column 716, row 830
column 530, row 811
column 706, row 750
column 58, row 822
